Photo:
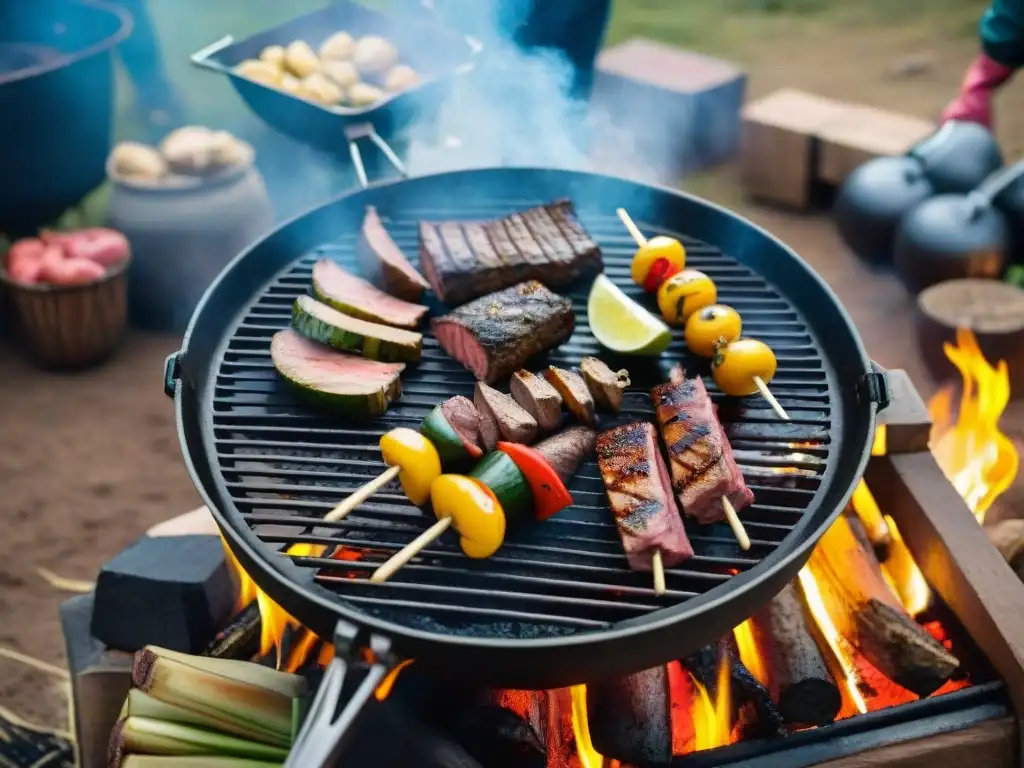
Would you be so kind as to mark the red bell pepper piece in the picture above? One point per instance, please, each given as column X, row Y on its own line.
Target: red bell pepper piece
column 660, row 271
column 550, row 496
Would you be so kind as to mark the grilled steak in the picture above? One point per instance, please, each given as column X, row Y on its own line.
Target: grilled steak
column 496, row 334
column 466, row 259
column 568, row 449
column 640, row 494
column 538, row 397
column 354, row 296
column 464, row 418
column 501, row 418
column 703, row 467
column 605, row 385
column 574, row 392
column 384, row 263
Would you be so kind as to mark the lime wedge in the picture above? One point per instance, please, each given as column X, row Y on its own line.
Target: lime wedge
column 621, row 324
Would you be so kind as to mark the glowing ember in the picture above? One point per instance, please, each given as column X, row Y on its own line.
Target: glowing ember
column 712, row 719
column 842, row 659
column 749, row 654
column 904, row 576
column 979, row 460
column 588, row 756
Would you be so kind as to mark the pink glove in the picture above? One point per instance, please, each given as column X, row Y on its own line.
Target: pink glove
column 974, row 104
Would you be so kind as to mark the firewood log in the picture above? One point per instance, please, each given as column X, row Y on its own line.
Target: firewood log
column 867, row 614
column 1008, row 537
column 629, row 717
column 799, row 680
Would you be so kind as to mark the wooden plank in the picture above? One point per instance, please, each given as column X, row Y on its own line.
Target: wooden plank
column 990, row 745
column 198, row 521
column 778, row 145
column 863, row 133
column 958, row 560
column 908, row 425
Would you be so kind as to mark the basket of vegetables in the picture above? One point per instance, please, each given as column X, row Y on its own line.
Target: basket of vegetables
column 67, row 294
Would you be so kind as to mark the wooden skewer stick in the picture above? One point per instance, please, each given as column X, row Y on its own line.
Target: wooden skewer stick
column 629, row 224
column 410, row 550
column 767, row 395
column 736, row 524
column 659, row 573
column 341, row 511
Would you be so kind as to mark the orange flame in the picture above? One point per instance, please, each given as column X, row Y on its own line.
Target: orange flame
column 870, row 515
column 904, row 576
column 712, row 718
column 588, row 756
column 749, row 653
column 980, row 461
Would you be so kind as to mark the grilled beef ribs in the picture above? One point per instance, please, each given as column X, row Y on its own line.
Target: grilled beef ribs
column 574, row 392
column 496, row 334
column 703, row 467
column 466, row 259
column 640, row 494
column 384, row 263
column 538, row 397
column 605, row 385
column 568, row 449
column 501, row 418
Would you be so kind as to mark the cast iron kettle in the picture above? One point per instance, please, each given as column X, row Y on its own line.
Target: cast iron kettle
column 954, row 236
column 953, row 160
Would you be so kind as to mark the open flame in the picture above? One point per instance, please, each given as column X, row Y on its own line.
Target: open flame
column 980, row 461
column 712, row 717
column 749, row 653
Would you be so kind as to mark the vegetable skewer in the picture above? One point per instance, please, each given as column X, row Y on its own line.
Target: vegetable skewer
column 705, row 477
column 507, row 486
column 656, row 259
column 739, row 366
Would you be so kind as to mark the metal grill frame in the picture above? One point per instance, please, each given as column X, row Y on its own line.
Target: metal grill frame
column 626, row 646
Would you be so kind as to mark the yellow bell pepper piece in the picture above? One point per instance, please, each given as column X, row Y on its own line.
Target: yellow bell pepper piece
column 476, row 513
column 418, row 459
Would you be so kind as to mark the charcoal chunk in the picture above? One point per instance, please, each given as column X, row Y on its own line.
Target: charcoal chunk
column 174, row 591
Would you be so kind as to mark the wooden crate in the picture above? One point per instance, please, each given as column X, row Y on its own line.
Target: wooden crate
column 863, row 133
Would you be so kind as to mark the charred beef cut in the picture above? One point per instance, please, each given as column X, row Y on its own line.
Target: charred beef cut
column 568, row 449
column 541, row 400
column 383, row 262
column 466, row 259
column 605, row 385
column 703, row 467
column 496, row 334
column 574, row 392
column 501, row 418
column 464, row 418
column 640, row 494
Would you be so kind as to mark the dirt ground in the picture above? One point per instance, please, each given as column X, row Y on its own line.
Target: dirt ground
column 89, row 462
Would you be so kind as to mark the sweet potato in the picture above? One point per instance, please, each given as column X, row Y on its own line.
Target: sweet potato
column 75, row 271
column 106, row 247
column 23, row 261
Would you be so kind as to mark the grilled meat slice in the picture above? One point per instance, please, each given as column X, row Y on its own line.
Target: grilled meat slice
column 538, row 397
column 496, row 334
column 574, row 392
column 501, row 418
column 640, row 494
column 568, row 449
column 464, row 418
column 384, row 263
column 463, row 260
column 604, row 384
column 703, row 467
column 340, row 289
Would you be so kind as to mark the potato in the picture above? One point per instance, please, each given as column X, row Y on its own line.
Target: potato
column 374, row 54
column 338, row 46
column 289, row 83
column 300, row 60
column 364, row 94
column 400, row 77
column 226, row 150
column 319, row 88
column 273, row 54
column 133, row 160
column 189, row 150
column 72, row 272
column 259, row 71
column 342, row 73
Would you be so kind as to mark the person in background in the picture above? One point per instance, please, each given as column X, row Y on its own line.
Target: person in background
column 1002, row 53
column 158, row 106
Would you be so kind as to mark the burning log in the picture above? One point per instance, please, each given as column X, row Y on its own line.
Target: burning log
column 866, row 613
column 498, row 737
column 240, row 639
column 747, row 691
column 629, row 717
column 800, row 682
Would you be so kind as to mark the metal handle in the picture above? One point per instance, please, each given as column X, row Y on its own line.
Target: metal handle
column 366, row 131
column 329, row 725
column 172, row 372
column 997, row 182
column 875, row 386
column 929, row 144
column 201, row 58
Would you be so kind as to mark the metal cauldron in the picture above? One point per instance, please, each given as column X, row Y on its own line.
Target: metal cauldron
column 57, row 102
